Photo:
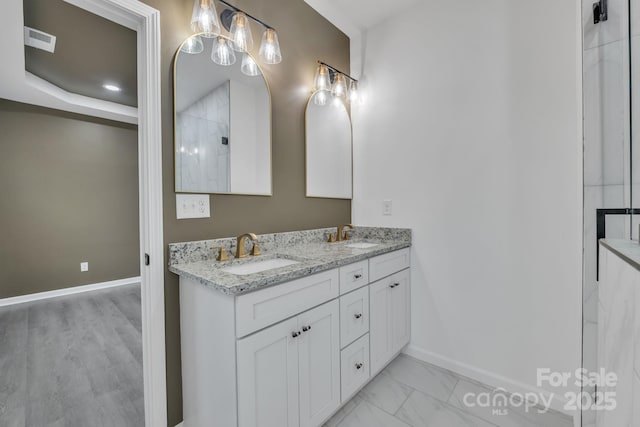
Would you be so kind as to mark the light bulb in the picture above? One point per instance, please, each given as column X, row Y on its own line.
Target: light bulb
column 222, row 54
column 205, row 18
column 270, row 48
column 353, row 92
column 193, row 45
column 321, row 97
column 322, row 80
column 339, row 86
column 240, row 33
column 249, row 66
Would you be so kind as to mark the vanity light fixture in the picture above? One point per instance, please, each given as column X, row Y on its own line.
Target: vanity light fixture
column 222, row 53
column 205, row 20
column 330, row 79
column 249, row 66
column 240, row 33
column 193, row 45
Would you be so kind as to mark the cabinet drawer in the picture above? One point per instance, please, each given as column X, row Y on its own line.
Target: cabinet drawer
column 354, row 316
column 354, row 276
column 259, row 309
column 384, row 265
column 354, row 367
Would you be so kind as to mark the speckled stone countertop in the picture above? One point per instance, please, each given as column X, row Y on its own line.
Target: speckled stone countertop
column 196, row 260
column 628, row 250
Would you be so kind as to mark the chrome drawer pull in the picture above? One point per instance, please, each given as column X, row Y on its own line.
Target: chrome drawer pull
column 306, row 328
column 358, row 315
column 357, row 276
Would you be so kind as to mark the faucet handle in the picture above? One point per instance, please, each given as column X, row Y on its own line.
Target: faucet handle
column 332, row 238
column 346, row 235
column 222, row 254
column 255, row 251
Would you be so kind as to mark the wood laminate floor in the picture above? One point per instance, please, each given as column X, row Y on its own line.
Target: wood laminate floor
column 73, row 361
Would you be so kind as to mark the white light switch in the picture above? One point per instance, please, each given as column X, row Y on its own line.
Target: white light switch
column 387, row 207
column 192, row 206
column 84, row 266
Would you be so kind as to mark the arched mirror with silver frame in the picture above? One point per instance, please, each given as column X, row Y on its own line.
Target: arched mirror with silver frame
column 222, row 122
column 328, row 148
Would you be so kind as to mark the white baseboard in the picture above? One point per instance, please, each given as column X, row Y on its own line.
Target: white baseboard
column 486, row 377
column 180, row 425
column 68, row 291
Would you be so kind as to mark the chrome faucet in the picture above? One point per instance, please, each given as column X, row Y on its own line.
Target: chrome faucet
column 240, row 249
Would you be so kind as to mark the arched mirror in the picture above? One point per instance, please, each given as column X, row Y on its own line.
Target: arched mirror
column 328, row 148
column 222, row 120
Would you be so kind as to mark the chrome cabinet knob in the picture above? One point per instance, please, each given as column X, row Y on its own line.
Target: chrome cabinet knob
column 295, row 334
column 306, row 328
column 357, row 276
column 394, row 285
column 359, row 365
column 357, row 315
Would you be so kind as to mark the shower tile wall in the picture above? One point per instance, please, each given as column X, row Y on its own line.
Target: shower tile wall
column 201, row 127
column 606, row 148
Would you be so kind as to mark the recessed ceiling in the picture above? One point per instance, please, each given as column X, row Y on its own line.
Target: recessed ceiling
column 90, row 52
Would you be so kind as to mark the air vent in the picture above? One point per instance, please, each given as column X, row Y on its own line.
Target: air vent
column 39, row 39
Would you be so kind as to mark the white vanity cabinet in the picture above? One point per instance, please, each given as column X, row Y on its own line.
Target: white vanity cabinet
column 289, row 373
column 290, row 355
column 390, row 318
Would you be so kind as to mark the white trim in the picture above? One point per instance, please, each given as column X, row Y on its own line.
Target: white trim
column 68, row 291
column 487, row 377
column 180, row 425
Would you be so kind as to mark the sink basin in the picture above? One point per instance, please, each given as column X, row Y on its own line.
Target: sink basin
column 259, row 266
column 361, row 245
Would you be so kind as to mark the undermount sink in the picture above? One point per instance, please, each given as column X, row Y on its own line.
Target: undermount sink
column 362, row 245
column 253, row 267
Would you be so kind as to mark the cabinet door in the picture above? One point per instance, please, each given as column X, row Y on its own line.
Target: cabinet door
column 268, row 377
column 400, row 310
column 319, row 352
column 380, row 325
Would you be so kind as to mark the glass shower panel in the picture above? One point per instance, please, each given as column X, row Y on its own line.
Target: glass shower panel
column 607, row 153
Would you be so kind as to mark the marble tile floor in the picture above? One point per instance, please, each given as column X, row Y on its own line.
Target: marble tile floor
column 73, row 361
column 411, row 393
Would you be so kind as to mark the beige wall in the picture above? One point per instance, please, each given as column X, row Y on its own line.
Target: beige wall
column 305, row 37
column 69, row 188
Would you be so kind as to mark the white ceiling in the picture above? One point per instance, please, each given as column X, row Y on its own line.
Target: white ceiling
column 359, row 15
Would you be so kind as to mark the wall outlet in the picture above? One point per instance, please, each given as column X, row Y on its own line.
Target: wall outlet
column 192, row 206
column 387, row 207
column 84, row 266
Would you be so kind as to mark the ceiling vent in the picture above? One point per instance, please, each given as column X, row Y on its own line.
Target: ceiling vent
column 39, row 39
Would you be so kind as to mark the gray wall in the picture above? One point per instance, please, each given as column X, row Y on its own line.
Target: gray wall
column 305, row 37
column 69, row 188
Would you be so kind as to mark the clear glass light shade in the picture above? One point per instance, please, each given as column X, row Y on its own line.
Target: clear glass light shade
column 354, row 96
column 205, row 18
column 249, row 66
column 193, row 45
column 322, row 80
column 240, row 33
column 222, row 54
column 270, row 48
column 321, row 97
column 339, row 86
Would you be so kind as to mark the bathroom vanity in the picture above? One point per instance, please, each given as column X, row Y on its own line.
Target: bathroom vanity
column 287, row 337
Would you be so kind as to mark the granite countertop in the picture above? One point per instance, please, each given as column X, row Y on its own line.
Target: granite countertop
column 313, row 255
column 628, row 250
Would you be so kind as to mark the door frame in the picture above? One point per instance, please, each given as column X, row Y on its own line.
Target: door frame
column 145, row 20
